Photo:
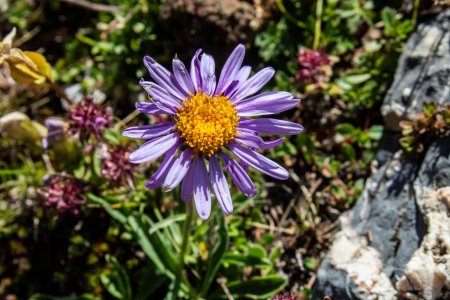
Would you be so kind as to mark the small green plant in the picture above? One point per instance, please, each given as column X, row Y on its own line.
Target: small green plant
column 432, row 123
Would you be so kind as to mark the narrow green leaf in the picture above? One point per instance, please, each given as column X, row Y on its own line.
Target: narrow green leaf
column 149, row 274
column 120, row 278
column 143, row 240
column 355, row 79
column 166, row 222
column 255, row 288
column 116, row 214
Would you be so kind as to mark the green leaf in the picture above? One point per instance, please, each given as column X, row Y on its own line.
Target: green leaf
column 117, row 282
column 110, row 286
column 116, row 214
column 349, row 152
column 96, row 162
column 143, row 240
column 376, row 132
column 166, row 222
column 155, row 246
column 149, row 274
column 257, row 251
column 310, row 263
column 345, row 129
column 389, row 20
column 276, row 253
column 355, row 79
column 245, row 260
column 255, row 288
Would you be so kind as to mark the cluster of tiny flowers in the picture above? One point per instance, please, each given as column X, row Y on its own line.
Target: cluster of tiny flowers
column 63, row 193
column 86, row 118
column 314, row 66
column 115, row 164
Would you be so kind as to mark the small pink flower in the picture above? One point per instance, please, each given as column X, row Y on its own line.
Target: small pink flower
column 86, row 118
column 314, row 66
column 115, row 164
column 64, row 193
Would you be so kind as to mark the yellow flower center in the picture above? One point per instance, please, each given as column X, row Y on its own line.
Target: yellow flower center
column 207, row 123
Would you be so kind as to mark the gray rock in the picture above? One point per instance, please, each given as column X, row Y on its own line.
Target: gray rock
column 395, row 242
column 422, row 74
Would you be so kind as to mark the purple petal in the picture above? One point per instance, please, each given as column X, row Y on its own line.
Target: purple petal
column 271, row 126
column 258, row 161
column 252, row 85
column 182, row 76
column 257, row 142
column 148, row 131
column 242, row 77
column 195, row 70
column 246, row 130
column 272, row 144
column 231, row 68
column 151, row 109
column 164, row 78
column 239, row 176
column 266, row 104
column 187, row 186
column 207, row 70
column 202, row 196
column 178, row 170
column 160, row 95
column 160, row 175
column 220, row 185
column 249, row 139
column 151, row 150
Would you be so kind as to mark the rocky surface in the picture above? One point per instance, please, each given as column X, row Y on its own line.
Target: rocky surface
column 216, row 26
column 395, row 242
column 422, row 74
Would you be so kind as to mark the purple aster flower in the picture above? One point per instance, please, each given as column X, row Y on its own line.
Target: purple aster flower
column 86, row 118
column 210, row 121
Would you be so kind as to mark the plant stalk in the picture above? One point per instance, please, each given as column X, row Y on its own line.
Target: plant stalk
column 318, row 25
column 415, row 11
column 184, row 247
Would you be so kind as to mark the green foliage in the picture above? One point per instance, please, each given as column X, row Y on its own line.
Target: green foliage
column 433, row 123
column 116, row 281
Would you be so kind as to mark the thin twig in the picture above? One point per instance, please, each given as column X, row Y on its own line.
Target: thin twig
column 290, row 231
column 222, row 282
column 94, row 6
column 26, row 37
column 127, row 119
column 60, row 92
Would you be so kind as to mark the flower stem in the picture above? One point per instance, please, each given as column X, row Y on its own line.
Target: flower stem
column 288, row 16
column 318, row 25
column 184, row 247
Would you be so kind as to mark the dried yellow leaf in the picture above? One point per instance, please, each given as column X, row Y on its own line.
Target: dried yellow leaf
column 25, row 66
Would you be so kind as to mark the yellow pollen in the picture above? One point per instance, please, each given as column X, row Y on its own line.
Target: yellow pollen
column 207, row 123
